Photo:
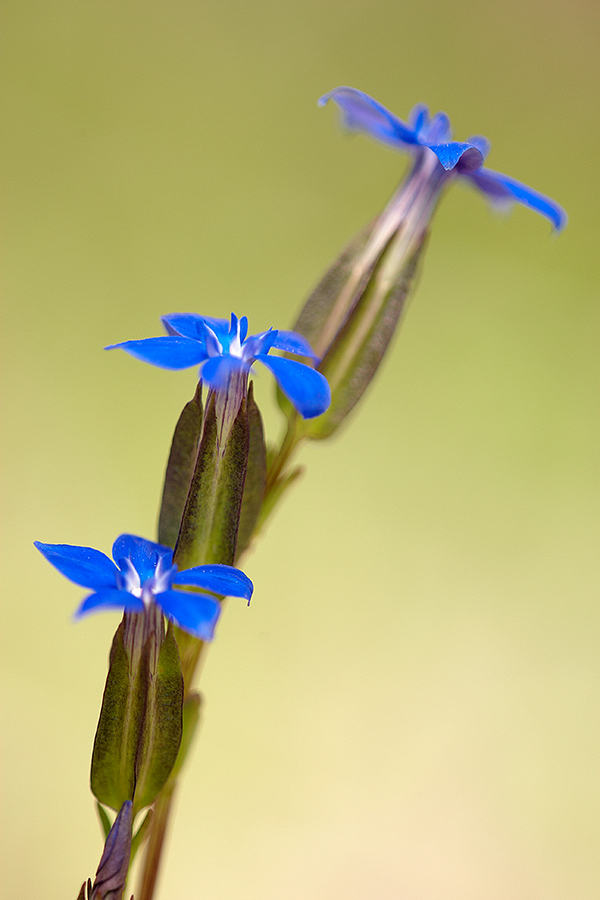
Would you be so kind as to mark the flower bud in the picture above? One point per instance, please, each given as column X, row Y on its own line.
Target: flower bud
column 111, row 875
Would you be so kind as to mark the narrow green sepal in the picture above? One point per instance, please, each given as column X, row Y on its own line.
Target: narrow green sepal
column 117, row 735
column 256, row 475
column 211, row 517
column 180, row 468
column 162, row 725
column 104, row 820
column 139, row 730
column 357, row 351
column 141, row 834
column 336, row 294
column 191, row 718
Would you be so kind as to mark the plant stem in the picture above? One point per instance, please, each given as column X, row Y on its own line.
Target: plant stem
column 152, row 856
column 191, row 654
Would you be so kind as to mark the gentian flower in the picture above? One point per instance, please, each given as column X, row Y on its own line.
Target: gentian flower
column 226, row 354
column 144, row 576
column 433, row 137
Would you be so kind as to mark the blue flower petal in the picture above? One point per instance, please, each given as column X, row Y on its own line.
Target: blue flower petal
column 219, row 326
column 418, row 118
column 196, row 613
column 292, row 342
column 83, row 565
column 109, row 599
column 360, row 112
column 500, row 189
column 481, row 143
column 225, row 580
column 217, row 371
column 306, row 388
column 169, row 352
column 182, row 324
column 259, row 343
column 214, row 340
column 438, row 130
column 143, row 554
column 450, row 154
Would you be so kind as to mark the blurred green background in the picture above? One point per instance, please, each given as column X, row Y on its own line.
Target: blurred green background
column 409, row 707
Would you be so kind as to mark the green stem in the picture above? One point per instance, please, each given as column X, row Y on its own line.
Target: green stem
column 291, row 439
column 192, row 651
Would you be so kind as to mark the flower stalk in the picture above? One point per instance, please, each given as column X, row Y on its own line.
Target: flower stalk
column 221, row 484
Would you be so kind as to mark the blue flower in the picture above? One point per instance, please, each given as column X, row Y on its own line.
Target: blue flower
column 361, row 112
column 223, row 350
column 144, row 574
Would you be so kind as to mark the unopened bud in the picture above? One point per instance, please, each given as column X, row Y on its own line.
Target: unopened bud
column 111, row 875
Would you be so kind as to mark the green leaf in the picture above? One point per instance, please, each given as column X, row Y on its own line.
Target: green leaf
column 256, row 475
column 162, row 725
column 211, row 517
column 119, row 728
column 180, row 468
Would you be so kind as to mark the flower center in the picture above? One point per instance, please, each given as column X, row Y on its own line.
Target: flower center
column 158, row 582
column 235, row 344
column 130, row 578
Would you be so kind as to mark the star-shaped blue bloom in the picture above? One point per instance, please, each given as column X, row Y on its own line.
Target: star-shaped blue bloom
column 144, row 574
column 223, row 349
column 360, row 112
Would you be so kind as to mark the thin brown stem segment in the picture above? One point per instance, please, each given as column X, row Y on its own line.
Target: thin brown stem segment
column 152, row 856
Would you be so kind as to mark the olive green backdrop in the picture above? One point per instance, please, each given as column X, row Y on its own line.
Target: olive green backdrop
column 409, row 707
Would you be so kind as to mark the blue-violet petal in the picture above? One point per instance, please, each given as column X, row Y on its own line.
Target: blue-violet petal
column 85, row 566
column 225, row 580
column 182, row 324
column 170, row 352
column 306, row 388
column 292, row 342
column 360, row 112
column 109, row 598
column 143, row 554
column 451, row 154
column 501, row 189
column 196, row 613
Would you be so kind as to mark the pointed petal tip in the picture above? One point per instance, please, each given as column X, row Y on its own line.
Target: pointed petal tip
column 502, row 190
column 85, row 566
column 306, row 389
column 226, row 581
column 361, row 112
column 560, row 221
column 167, row 352
column 325, row 98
